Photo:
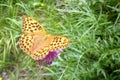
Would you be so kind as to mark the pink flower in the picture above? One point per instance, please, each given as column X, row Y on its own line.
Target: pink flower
column 52, row 55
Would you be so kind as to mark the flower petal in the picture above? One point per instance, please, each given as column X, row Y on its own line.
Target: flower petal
column 52, row 55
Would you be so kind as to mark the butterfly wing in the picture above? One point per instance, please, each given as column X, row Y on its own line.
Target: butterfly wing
column 52, row 43
column 26, row 43
column 32, row 26
column 35, row 46
column 58, row 42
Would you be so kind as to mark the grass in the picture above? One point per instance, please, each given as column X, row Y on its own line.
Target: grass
column 93, row 28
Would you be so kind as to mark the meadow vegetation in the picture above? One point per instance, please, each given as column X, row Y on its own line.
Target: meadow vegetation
column 92, row 26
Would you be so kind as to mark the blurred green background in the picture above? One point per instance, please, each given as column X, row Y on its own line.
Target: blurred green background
column 92, row 26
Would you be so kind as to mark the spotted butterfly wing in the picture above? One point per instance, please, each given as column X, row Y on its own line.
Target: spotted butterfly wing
column 36, row 42
column 31, row 26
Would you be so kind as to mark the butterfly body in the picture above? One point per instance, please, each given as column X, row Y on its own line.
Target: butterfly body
column 36, row 42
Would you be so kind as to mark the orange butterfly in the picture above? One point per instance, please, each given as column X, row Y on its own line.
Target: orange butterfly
column 36, row 43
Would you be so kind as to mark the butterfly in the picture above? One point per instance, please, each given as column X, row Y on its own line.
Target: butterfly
column 36, row 42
